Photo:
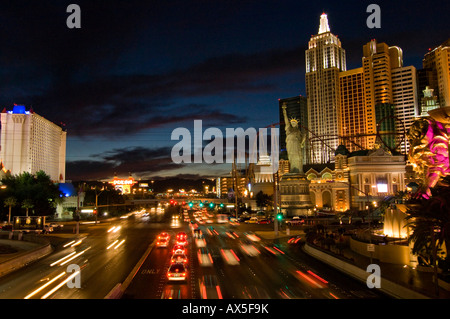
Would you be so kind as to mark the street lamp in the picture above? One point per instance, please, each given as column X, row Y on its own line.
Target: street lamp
column 96, row 204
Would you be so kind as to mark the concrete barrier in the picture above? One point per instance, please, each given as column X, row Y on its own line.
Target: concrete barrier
column 24, row 258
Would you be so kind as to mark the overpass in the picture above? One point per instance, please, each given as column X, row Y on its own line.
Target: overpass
column 156, row 201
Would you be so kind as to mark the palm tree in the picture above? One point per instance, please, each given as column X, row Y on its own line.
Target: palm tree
column 429, row 220
column 27, row 204
column 11, row 202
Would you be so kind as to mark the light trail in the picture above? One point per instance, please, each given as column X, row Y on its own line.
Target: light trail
column 60, row 285
column 44, row 286
column 75, row 256
column 64, row 258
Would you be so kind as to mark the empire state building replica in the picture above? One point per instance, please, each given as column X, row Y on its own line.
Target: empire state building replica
column 325, row 58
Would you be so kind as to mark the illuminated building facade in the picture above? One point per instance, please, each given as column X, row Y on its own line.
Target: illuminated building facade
column 374, row 175
column 30, row 143
column 378, row 61
column 437, row 62
column 352, row 124
column 428, row 102
column 225, row 185
column 405, row 100
column 325, row 58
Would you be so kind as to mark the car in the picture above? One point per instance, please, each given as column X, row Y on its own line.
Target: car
column 164, row 235
column 48, row 228
column 181, row 236
column 264, row 221
column 198, row 233
column 200, row 242
column 252, row 236
column 229, row 256
column 162, row 242
column 210, row 288
column 295, row 221
column 179, row 258
column 177, row 272
column 7, row 227
column 252, row 220
column 56, row 226
column 179, row 249
column 204, row 257
column 182, row 242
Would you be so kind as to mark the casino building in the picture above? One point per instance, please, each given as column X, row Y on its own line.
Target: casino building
column 30, row 143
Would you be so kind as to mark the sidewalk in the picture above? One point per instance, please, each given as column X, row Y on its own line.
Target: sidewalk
column 412, row 279
column 404, row 275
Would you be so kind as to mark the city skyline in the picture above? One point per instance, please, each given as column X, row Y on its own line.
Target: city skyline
column 134, row 72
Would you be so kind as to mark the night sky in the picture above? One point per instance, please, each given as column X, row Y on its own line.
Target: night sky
column 136, row 70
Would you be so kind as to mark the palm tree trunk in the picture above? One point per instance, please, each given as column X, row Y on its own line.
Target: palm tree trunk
column 435, row 266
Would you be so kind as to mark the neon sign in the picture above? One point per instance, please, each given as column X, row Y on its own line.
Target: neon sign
column 123, row 185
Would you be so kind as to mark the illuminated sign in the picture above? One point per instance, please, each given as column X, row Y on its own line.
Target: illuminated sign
column 123, row 182
column 123, row 185
column 29, row 223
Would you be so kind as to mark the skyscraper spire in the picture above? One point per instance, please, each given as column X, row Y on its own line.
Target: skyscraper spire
column 323, row 24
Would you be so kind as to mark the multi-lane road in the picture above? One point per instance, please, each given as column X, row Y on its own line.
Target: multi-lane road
column 233, row 265
column 236, row 264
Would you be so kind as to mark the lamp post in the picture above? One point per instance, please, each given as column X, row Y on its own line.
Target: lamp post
column 96, row 204
column 275, row 201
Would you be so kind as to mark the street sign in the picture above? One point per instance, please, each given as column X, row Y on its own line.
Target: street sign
column 371, row 247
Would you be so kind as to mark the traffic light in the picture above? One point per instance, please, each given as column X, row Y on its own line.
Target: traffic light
column 211, row 205
column 221, row 205
column 201, row 204
column 280, row 216
column 191, row 204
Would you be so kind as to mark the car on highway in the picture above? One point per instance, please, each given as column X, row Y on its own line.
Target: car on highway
column 181, row 236
column 230, row 257
column 179, row 249
column 296, row 220
column 48, row 228
column 249, row 249
column 252, row 220
column 200, row 242
column 182, row 242
column 178, row 258
column 164, row 235
column 162, row 242
column 252, row 236
column 56, row 226
column 177, row 272
column 198, row 233
column 204, row 257
column 210, row 288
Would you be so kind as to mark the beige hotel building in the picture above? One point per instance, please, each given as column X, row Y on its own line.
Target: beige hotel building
column 30, row 143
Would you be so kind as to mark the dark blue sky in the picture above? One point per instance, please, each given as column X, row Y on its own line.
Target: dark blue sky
column 138, row 69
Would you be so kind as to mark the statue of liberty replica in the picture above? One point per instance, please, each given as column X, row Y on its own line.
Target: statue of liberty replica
column 294, row 187
column 295, row 141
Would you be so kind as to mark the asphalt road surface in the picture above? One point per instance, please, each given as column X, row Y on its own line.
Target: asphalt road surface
column 232, row 264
